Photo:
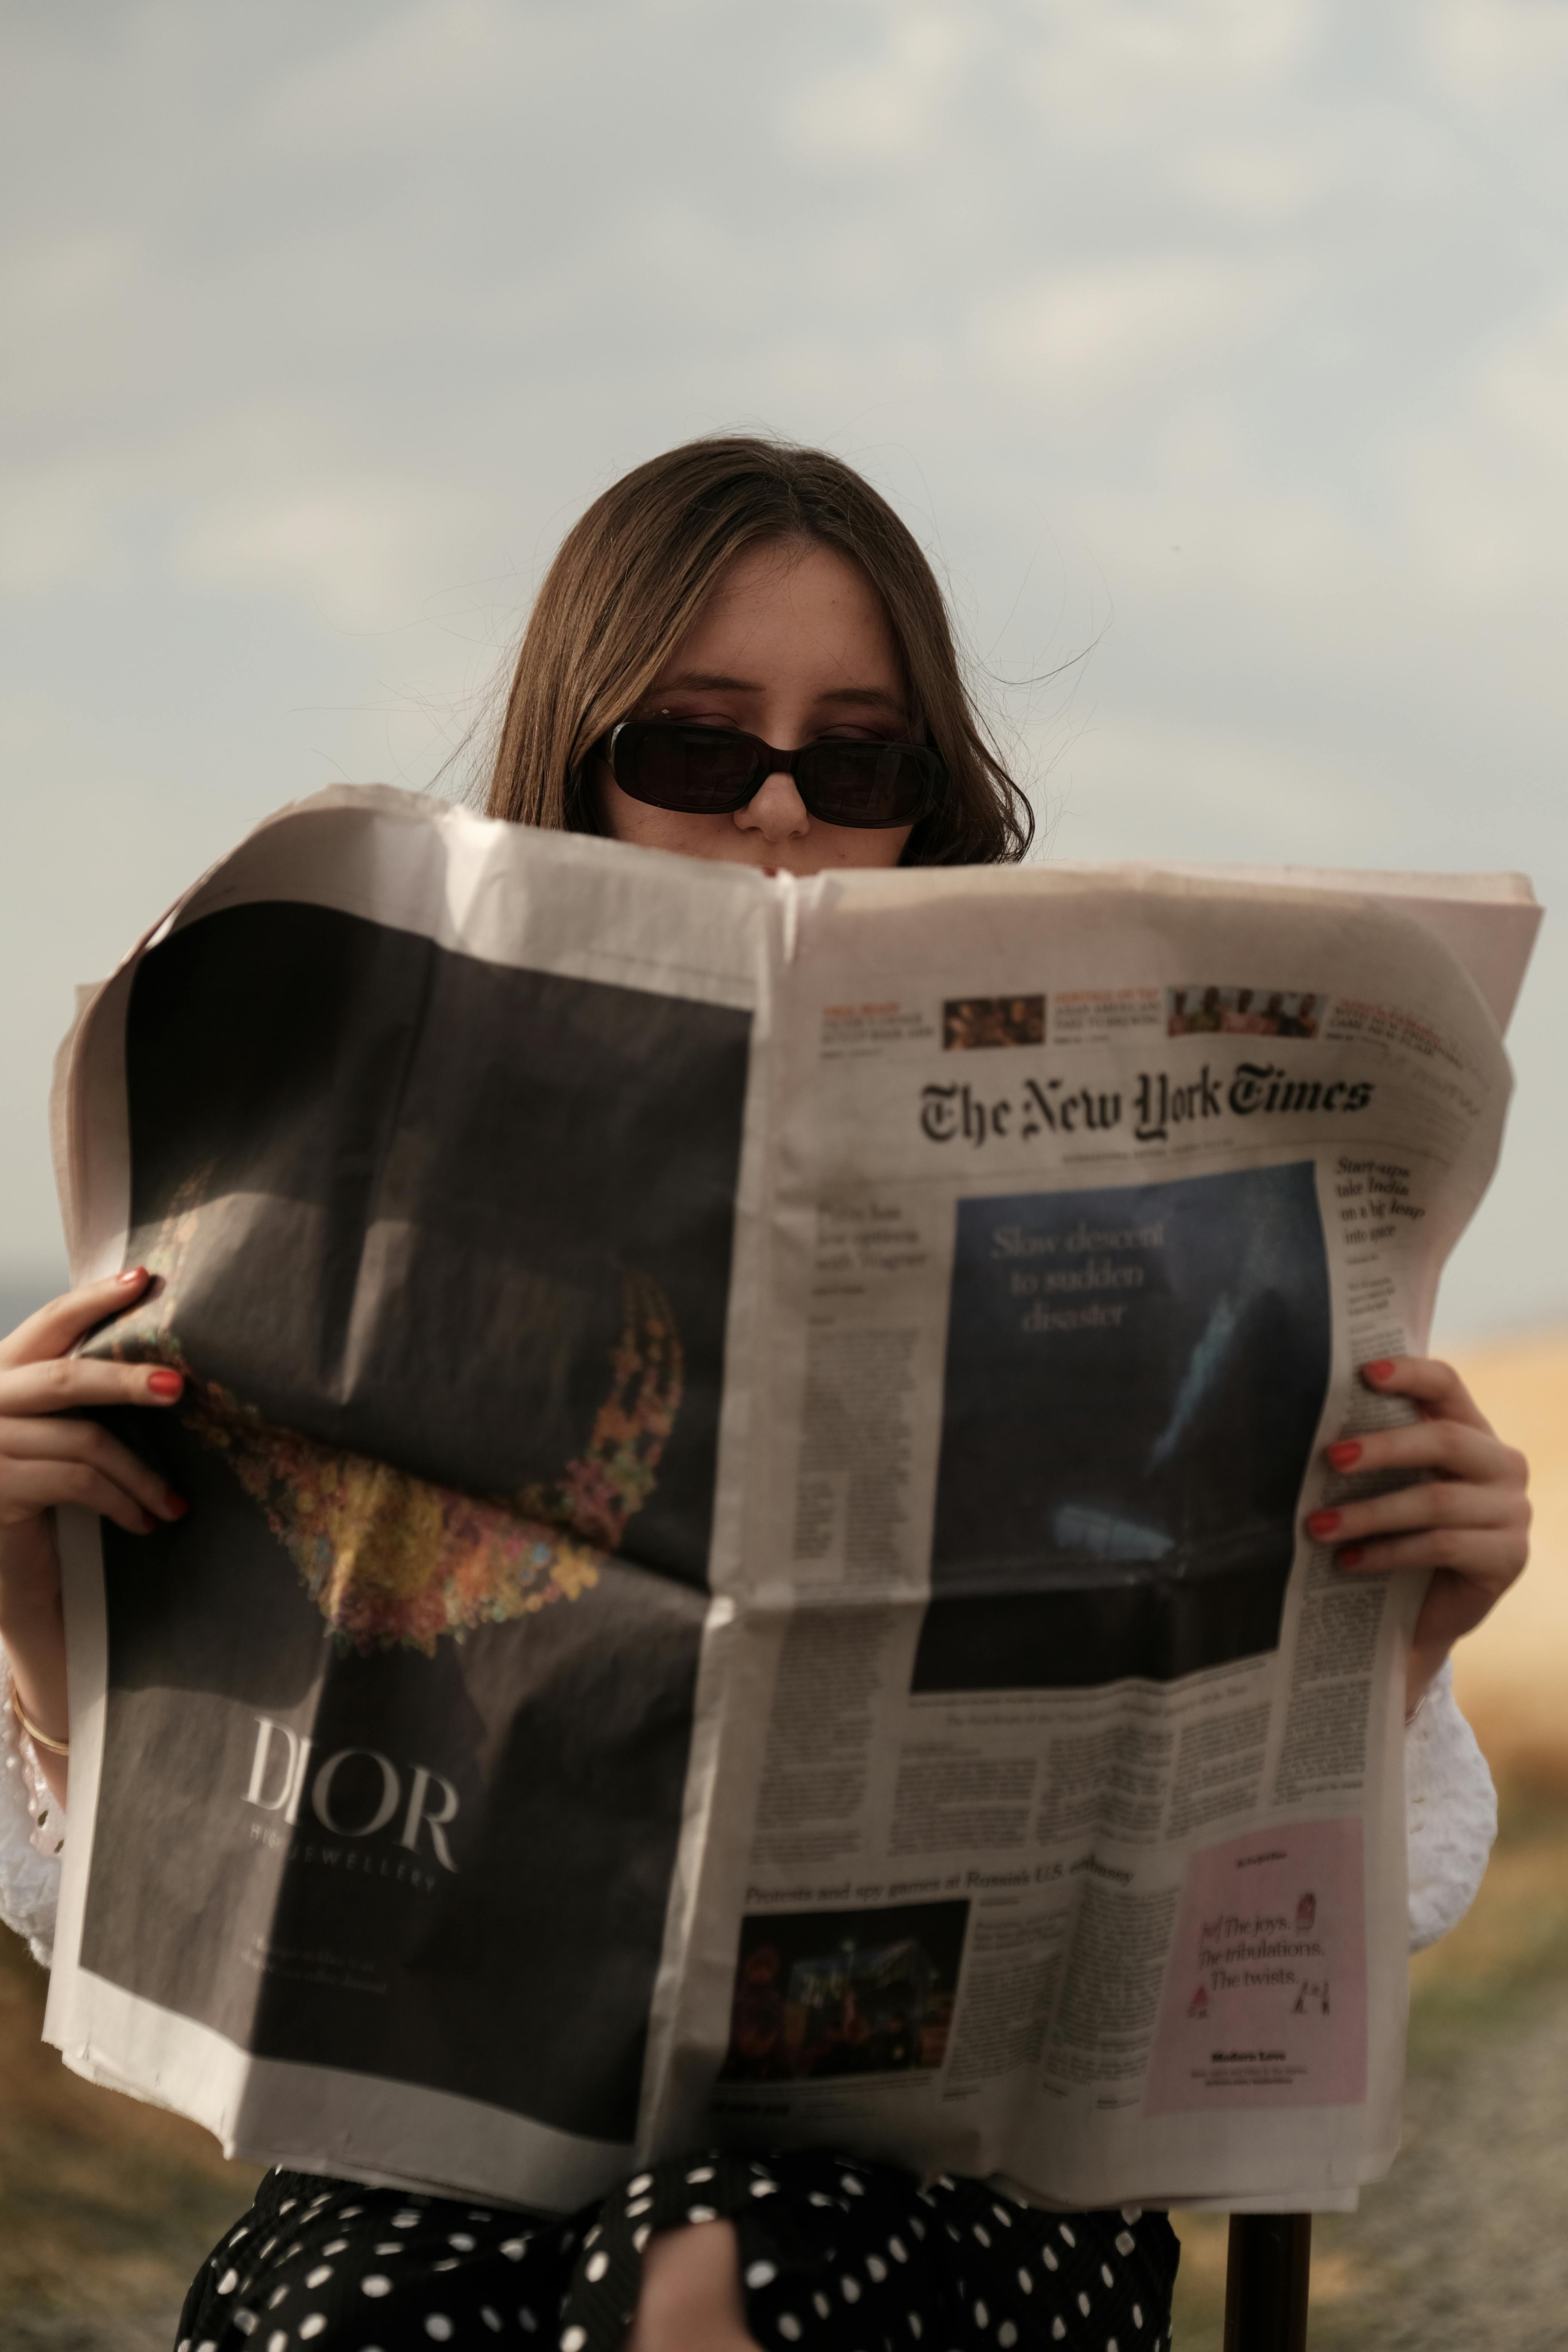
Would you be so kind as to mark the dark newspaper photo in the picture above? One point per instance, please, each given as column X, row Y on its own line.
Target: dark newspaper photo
column 1135, row 1376
column 446, row 1246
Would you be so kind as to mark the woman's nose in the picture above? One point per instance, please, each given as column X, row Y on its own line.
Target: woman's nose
column 776, row 811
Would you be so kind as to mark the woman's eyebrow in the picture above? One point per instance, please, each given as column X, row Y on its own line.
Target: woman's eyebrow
column 709, row 680
column 718, row 681
column 864, row 696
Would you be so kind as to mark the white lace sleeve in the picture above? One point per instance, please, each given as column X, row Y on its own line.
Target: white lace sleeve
column 1450, row 1814
column 32, row 1833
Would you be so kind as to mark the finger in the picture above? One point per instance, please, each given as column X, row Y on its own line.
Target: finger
column 85, row 1441
column 60, row 1324
column 1435, row 1387
column 1432, row 1503
column 1488, row 1556
column 30, row 1487
column 1453, row 1449
column 75, row 1383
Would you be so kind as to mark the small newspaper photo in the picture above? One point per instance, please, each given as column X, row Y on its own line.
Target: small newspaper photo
column 748, row 1444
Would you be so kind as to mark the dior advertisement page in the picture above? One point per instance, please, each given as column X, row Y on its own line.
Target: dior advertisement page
column 747, row 1443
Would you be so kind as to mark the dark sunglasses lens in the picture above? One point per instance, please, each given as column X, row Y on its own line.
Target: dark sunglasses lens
column 700, row 772
column 868, row 783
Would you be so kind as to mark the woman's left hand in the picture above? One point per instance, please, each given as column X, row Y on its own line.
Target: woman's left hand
column 1467, row 1519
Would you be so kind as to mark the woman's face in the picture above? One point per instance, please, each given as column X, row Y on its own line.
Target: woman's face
column 792, row 644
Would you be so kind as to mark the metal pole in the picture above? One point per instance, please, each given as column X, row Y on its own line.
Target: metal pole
column 1266, row 2283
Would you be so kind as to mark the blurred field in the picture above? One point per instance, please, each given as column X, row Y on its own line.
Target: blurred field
column 1509, row 1675
column 106, row 2207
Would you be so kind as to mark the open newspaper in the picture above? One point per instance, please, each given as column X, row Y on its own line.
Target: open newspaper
column 748, row 1442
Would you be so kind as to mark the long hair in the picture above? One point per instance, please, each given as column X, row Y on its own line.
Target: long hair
column 628, row 581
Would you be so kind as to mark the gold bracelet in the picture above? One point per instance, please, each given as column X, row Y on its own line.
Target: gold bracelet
column 39, row 1739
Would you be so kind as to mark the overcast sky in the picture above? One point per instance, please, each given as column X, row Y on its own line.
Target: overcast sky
column 1217, row 350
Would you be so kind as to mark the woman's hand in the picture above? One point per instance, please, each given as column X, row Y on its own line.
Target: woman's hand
column 49, row 1456
column 1467, row 1519
column 691, row 2299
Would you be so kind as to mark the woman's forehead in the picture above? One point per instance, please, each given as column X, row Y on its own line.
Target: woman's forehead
column 803, row 607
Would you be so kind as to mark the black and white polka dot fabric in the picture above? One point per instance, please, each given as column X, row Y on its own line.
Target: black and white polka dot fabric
column 846, row 2256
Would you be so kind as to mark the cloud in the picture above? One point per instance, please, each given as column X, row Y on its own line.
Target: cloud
column 1218, row 334
column 1259, row 183
column 1136, row 788
column 1497, row 53
column 1112, row 72
column 1116, row 327
column 889, row 104
column 1523, row 389
column 364, row 548
column 412, row 77
column 1486, row 492
column 57, row 523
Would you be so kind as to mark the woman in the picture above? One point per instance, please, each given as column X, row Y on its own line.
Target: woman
column 743, row 604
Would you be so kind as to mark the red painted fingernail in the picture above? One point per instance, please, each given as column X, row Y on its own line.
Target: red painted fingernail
column 1351, row 1556
column 1344, row 1454
column 165, row 1385
column 175, row 1505
column 131, row 1273
column 1323, row 1523
column 1381, row 1370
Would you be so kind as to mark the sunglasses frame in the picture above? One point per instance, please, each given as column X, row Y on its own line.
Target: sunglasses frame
column 771, row 761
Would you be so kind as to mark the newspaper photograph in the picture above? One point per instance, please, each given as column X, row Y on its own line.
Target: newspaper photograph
column 748, row 1444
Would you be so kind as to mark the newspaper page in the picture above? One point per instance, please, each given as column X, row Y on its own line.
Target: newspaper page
column 748, row 1442
column 1076, row 1853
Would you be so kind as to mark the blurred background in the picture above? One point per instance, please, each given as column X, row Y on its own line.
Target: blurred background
column 1216, row 350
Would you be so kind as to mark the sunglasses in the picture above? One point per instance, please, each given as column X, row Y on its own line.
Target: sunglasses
column 712, row 770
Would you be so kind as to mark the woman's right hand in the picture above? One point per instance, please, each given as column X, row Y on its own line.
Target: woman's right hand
column 47, row 1455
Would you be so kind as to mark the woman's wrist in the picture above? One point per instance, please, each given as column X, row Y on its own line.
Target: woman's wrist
column 1422, row 1670
column 30, row 1581
column 34, row 1731
column 31, row 1626
column 36, row 1726
column 33, row 1634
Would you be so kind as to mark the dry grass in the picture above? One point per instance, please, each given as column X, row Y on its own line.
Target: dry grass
column 107, row 2207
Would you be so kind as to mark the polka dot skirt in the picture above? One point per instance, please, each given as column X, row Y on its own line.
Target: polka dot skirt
column 846, row 2256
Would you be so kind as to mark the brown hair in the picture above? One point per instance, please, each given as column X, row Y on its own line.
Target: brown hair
column 626, row 585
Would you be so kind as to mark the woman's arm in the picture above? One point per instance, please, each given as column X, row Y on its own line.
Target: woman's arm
column 1467, row 1519
column 48, row 1456
column 32, row 1834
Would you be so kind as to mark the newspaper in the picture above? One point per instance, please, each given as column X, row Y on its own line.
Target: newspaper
column 748, row 1441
